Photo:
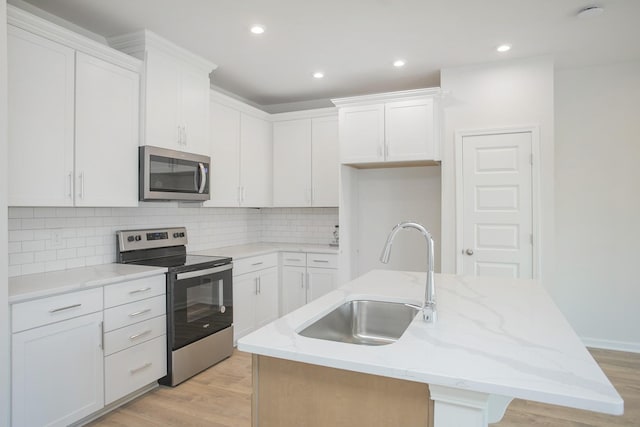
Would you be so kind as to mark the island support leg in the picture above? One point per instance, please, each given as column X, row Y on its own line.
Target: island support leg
column 455, row 407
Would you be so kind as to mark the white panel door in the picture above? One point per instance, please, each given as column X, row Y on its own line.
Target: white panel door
column 244, row 298
column 409, row 133
column 256, row 162
column 163, row 99
column 321, row 281
column 106, row 166
column 497, row 205
column 58, row 372
column 41, row 118
column 325, row 161
column 294, row 288
column 225, row 156
column 194, row 110
column 362, row 134
column 292, row 163
column 267, row 298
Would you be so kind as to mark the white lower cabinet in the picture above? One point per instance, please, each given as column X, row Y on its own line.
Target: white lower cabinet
column 75, row 353
column 305, row 277
column 57, row 371
column 255, row 293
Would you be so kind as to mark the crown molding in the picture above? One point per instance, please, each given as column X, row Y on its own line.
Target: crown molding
column 387, row 96
column 27, row 21
column 236, row 104
column 141, row 41
column 305, row 114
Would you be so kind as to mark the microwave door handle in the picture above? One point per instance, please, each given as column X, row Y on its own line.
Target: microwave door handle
column 203, row 180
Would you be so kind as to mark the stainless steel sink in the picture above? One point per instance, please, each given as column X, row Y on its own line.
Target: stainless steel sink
column 363, row 322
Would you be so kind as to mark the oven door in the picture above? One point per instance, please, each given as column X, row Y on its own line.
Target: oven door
column 201, row 303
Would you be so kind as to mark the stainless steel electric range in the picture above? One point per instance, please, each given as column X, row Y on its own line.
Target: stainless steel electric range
column 199, row 298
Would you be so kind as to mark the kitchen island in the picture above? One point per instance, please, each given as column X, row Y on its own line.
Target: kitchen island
column 495, row 339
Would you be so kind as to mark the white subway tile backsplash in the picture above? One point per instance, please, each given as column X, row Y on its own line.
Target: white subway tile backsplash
column 86, row 236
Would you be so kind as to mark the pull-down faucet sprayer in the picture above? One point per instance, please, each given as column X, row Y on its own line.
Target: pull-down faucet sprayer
column 429, row 305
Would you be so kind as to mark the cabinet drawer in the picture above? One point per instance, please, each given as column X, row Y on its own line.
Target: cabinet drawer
column 128, row 314
column 134, row 290
column 247, row 265
column 322, row 260
column 30, row 314
column 134, row 368
column 298, row 259
column 137, row 333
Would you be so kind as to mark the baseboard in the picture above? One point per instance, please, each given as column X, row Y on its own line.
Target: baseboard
column 631, row 347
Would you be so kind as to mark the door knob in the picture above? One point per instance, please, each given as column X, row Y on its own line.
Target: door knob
column 469, row 252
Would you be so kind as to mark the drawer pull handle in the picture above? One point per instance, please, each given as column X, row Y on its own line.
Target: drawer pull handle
column 69, row 307
column 294, row 259
column 145, row 366
column 257, row 263
column 141, row 334
column 320, row 260
column 138, row 313
column 137, row 291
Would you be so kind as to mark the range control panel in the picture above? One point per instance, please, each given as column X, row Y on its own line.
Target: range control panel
column 131, row 240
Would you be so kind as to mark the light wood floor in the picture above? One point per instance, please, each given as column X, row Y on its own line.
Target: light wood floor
column 221, row 397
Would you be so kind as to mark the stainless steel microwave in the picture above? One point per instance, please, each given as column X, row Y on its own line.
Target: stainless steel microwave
column 173, row 175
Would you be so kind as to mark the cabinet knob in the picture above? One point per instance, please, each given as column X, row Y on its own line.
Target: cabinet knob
column 469, row 252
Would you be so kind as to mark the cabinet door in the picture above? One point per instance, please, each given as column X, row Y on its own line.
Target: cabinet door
column 321, row 281
column 255, row 161
column 225, row 155
column 163, row 98
column 325, row 161
column 245, row 289
column 409, row 131
column 57, row 372
column 362, row 134
column 292, row 163
column 194, row 106
column 106, row 166
column 41, row 117
column 294, row 292
column 267, row 298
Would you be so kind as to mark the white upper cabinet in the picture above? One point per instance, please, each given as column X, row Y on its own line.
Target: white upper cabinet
column 325, row 161
column 73, row 118
column 106, row 133
column 292, row 163
column 176, row 92
column 394, row 127
column 305, row 161
column 241, row 154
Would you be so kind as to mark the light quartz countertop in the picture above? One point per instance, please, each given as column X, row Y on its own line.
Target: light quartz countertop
column 254, row 249
column 497, row 336
column 40, row 285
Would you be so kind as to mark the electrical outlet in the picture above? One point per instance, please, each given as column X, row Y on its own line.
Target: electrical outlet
column 56, row 239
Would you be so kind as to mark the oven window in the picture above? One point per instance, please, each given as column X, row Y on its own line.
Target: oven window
column 204, row 301
column 200, row 306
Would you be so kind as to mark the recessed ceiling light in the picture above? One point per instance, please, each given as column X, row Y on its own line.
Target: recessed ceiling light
column 399, row 63
column 257, row 29
column 590, row 11
column 503, row 48
column 318, row 75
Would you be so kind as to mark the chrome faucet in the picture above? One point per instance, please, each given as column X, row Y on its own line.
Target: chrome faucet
column 429, row 305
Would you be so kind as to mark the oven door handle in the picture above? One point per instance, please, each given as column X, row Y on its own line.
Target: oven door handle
column 191, row 274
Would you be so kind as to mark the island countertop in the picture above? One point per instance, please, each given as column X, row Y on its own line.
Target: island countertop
column 496, row 336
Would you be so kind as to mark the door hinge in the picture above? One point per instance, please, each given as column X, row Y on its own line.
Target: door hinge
column 531, row 159
column 531, row 238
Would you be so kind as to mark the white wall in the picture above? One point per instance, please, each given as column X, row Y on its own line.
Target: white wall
column 387, row 197
column 507, row 93
column 4, row 305
column 597, row 284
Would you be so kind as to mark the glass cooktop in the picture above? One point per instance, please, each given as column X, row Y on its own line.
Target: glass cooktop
column 185, row 261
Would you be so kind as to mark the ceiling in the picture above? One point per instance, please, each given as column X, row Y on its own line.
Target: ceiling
column 354, row 42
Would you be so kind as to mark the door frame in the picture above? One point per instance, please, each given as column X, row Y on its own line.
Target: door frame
column 535, row 188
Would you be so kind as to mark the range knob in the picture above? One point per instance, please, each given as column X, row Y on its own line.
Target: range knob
column 176, row 235
column 182, row 234
column 130, row 239
column 138, row 238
